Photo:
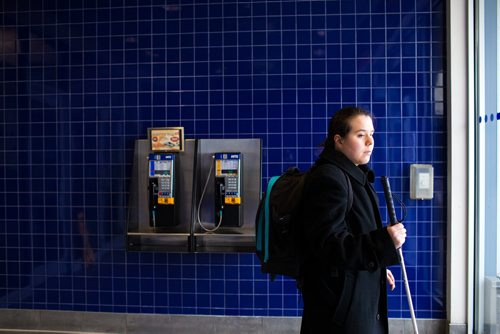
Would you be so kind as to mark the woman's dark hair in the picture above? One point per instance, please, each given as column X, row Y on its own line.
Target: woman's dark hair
column 340, row 123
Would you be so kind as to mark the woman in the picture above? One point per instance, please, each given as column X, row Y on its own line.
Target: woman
column 348, row 249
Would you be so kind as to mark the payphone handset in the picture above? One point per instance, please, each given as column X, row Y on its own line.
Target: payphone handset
column 226, row 169
column 161, row 190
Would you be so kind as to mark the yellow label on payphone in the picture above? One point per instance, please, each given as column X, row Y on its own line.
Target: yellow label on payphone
column 218, row 167
column 166, row 200
column 232, row 200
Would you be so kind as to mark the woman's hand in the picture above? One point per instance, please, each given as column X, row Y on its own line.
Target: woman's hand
column 398, row 234
column 390, row 280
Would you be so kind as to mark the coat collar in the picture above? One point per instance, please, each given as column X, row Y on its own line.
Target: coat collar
column 361, row 173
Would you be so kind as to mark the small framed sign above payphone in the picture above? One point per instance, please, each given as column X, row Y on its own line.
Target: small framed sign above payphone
column 169, row 139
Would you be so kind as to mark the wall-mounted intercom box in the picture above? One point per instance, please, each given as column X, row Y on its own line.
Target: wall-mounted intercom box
column 421, row 181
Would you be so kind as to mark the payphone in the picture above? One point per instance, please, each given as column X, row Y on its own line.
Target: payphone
column 165, row 145
column 226, row 170
column 162, row 190
column 227, row 190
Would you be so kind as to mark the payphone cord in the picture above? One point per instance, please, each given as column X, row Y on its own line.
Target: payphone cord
column 201, row 200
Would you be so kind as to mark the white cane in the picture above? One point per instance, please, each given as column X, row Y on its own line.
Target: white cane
column 393, row 220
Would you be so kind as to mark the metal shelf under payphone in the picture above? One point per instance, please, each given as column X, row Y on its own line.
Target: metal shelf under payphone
column 193, row 164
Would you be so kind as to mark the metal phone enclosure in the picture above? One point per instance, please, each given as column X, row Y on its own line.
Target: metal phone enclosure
column 227, row 192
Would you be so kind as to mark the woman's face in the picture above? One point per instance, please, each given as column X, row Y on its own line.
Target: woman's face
column 357, row 145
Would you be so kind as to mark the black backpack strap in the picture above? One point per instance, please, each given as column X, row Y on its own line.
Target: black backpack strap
column 349, row 194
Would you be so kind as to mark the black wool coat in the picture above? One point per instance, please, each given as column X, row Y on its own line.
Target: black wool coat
column 344, row 278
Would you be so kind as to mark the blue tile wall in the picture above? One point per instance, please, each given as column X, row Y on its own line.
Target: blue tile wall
column 82, row 80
